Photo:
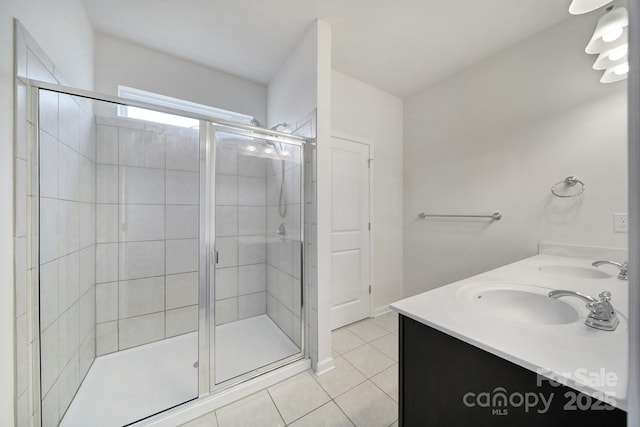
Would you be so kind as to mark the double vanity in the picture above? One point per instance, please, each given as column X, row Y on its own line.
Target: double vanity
column 518, row 345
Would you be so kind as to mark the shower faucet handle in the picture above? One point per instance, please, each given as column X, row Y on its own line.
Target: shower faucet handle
column 282, row 230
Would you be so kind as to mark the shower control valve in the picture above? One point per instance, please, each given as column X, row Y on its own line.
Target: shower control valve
column 282, row 230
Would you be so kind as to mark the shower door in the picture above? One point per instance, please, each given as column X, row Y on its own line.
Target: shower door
column 169, row 256
column 118, row 260
column 256, row 271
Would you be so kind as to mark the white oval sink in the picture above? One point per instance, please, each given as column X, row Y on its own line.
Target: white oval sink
column 574, row 271
column 520, row 303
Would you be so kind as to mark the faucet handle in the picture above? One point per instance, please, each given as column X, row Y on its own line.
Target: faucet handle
column 601, row 304
column 624, row 271
column 605, row 296
column 602, row 309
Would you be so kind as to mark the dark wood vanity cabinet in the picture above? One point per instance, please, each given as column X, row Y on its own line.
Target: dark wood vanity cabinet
column 447, row 382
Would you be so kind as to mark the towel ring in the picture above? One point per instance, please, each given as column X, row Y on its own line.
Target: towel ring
column 569, row 181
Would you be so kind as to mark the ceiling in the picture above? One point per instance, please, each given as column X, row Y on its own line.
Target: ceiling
column 399, row 46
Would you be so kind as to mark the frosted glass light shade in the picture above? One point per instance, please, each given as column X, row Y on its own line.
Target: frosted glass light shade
column 609, row 24
column 616, row 73
column 578, row 7
column 613, row 57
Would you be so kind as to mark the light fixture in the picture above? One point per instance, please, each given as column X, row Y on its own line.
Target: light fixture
column 618, row 53
column 609, row 40
column 268, row 150
column 611, row 27
column 251, row 148
column 615, row 74
column 578, row 7
column 621, row 70
column 612, row 57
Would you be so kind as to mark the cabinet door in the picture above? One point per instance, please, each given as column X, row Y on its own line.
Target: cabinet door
column 447, row 382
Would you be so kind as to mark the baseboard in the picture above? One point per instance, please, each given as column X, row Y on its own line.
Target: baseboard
column 325, row 366
column 380, row 311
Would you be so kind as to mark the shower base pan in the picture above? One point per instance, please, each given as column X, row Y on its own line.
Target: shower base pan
column 124, row 387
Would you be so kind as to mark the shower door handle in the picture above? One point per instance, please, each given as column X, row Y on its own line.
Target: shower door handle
column 214, row 257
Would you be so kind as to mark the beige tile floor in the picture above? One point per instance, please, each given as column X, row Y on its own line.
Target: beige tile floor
column 361, row 391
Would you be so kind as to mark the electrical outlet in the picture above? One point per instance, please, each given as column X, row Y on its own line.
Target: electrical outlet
column 621, row 223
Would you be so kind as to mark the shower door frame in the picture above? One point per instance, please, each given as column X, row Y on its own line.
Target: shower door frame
column 207, row 127
column 249, row 131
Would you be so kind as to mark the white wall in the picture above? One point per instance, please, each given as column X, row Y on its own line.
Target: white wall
column 63, row 30
column 363, row 111
column 302, row 86
column 497, row 136
column 128, row 64
column 292, row 92
column 323, row 194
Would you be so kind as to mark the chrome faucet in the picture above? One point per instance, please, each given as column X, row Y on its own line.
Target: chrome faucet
column 602, row 315
column 624, row 267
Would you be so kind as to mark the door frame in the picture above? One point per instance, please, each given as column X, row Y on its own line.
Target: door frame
column 370, row 143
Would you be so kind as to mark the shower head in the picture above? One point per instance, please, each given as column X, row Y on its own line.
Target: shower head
column 274, row 145
column 283, row 124
column 256, row 123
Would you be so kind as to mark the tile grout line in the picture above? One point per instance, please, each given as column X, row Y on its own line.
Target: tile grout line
column 215, row 416
column 367, row 378
column 275, row 405
column 344, row 413
column 363, row 373
column 391, row 397
column 333, row 399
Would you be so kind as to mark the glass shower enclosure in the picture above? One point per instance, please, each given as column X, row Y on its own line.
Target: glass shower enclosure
column 170, row 257
column 257, row 253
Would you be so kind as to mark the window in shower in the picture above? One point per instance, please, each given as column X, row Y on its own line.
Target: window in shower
column 172, row 103
column 119, row 263
column 257, row 281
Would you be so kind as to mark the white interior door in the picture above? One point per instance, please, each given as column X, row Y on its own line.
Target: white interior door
column 350, row 291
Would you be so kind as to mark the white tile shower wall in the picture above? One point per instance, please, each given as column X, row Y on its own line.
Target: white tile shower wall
column 147, row 232
column 283, row 198
column 68, row 287
column 68, row 247
column 241, row 226
column 26, row 230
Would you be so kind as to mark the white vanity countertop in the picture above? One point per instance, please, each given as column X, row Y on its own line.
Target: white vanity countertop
column 584, row 358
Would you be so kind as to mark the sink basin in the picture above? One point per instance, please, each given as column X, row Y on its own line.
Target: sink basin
column 578, row 272
column 520, row 303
